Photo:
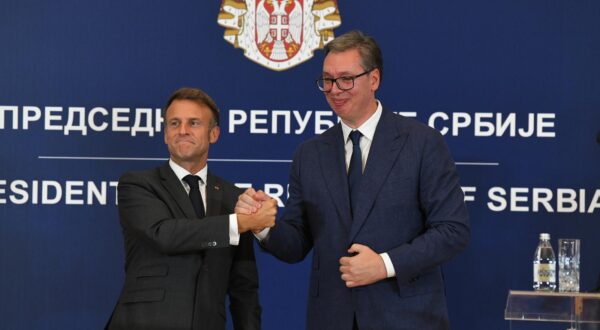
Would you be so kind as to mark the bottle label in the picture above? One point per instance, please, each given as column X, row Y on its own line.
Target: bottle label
column 544, row 273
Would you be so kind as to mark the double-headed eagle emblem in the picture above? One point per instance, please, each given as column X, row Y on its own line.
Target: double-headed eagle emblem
column 279, row 34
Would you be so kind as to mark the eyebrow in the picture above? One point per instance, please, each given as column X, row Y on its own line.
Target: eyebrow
column 179, row 118
column 342, row 74
column 183, row 119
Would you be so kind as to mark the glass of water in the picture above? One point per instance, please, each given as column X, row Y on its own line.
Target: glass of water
column 568, row 265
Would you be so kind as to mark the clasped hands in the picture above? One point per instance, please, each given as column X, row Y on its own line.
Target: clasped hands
column 363, row 267
column 255, row 211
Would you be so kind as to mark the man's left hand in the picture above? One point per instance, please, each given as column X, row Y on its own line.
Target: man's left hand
column 363, row 268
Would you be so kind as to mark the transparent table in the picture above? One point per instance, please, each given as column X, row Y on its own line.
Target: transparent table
column 580, row 310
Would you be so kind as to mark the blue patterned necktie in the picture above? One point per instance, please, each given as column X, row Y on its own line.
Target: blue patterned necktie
column 355, row 168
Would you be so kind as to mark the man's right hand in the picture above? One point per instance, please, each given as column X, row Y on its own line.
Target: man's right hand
column 250, row 201
column 263, row 217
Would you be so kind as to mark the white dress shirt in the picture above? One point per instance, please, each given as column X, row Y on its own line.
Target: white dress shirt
column 180, row 172
column 367, row 129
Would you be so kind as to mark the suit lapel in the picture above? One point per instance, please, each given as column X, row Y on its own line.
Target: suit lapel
column 214, row 195
column 333, row 165
column 387, row 143
column 175, row 188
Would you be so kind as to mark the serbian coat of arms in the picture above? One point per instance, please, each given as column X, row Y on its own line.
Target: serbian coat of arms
column 279, row 34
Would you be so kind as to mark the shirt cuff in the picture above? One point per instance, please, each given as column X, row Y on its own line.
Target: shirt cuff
column 234, row 236
column 389, row 267
column 262, row 235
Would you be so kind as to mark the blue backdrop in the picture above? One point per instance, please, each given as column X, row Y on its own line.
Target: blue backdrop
column 513, row 84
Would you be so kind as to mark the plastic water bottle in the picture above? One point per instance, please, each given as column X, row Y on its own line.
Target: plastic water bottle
column 544, row 265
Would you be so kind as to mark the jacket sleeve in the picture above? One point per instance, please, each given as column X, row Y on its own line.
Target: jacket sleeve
column 145, row 213
column 446, row 224
column 291, row 240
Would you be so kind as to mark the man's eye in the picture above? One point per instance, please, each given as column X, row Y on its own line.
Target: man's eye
column 173, row 123
column 195, row 123
column 345, row 79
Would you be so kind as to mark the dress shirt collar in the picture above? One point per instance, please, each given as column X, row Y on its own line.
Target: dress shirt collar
column 367, row 129
column 181, row 172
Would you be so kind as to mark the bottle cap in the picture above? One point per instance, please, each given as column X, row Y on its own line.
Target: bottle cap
column 544, row 236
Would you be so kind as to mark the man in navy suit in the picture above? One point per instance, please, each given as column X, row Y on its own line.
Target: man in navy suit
column 382, row 208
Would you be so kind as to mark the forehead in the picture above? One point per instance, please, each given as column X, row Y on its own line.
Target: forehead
column 181, row 109
column 346, row 62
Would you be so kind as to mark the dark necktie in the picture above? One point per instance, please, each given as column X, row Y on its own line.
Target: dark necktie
column 355, row 167
column 195, row 196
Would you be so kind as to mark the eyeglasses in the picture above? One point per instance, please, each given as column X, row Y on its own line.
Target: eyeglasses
column 343, row 83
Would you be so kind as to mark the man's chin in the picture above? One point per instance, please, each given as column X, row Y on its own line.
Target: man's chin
column 186, row 156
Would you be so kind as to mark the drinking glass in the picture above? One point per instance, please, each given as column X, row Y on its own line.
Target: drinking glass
column 568, row 265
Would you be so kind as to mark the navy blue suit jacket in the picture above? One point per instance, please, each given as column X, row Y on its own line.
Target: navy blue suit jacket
column 409, row 205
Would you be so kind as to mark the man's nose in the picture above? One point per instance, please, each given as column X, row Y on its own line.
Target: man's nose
column 183, row 129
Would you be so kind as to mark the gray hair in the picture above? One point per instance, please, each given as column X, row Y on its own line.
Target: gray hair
column 195, row 95
column 370, row 53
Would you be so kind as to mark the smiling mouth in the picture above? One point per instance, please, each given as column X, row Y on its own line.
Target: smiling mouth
column 338, row 102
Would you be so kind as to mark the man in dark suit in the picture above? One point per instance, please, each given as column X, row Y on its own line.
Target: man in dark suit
column 185, row 253
column 377, row 197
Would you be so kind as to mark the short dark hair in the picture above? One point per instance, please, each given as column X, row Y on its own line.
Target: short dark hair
column 370, row 53
column 195, row 95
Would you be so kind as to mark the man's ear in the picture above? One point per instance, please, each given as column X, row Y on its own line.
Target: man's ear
column 375, row 77
column 213, row 134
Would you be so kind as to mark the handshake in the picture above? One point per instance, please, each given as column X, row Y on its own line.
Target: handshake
column 255, row 211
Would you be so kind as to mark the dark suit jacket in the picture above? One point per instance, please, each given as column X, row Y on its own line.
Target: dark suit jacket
column 178, row 269
column 409, row 205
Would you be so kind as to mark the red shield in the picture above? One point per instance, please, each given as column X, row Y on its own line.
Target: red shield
column 279, row 25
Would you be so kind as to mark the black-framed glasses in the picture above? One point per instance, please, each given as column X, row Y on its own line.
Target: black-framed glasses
column 343, row 83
